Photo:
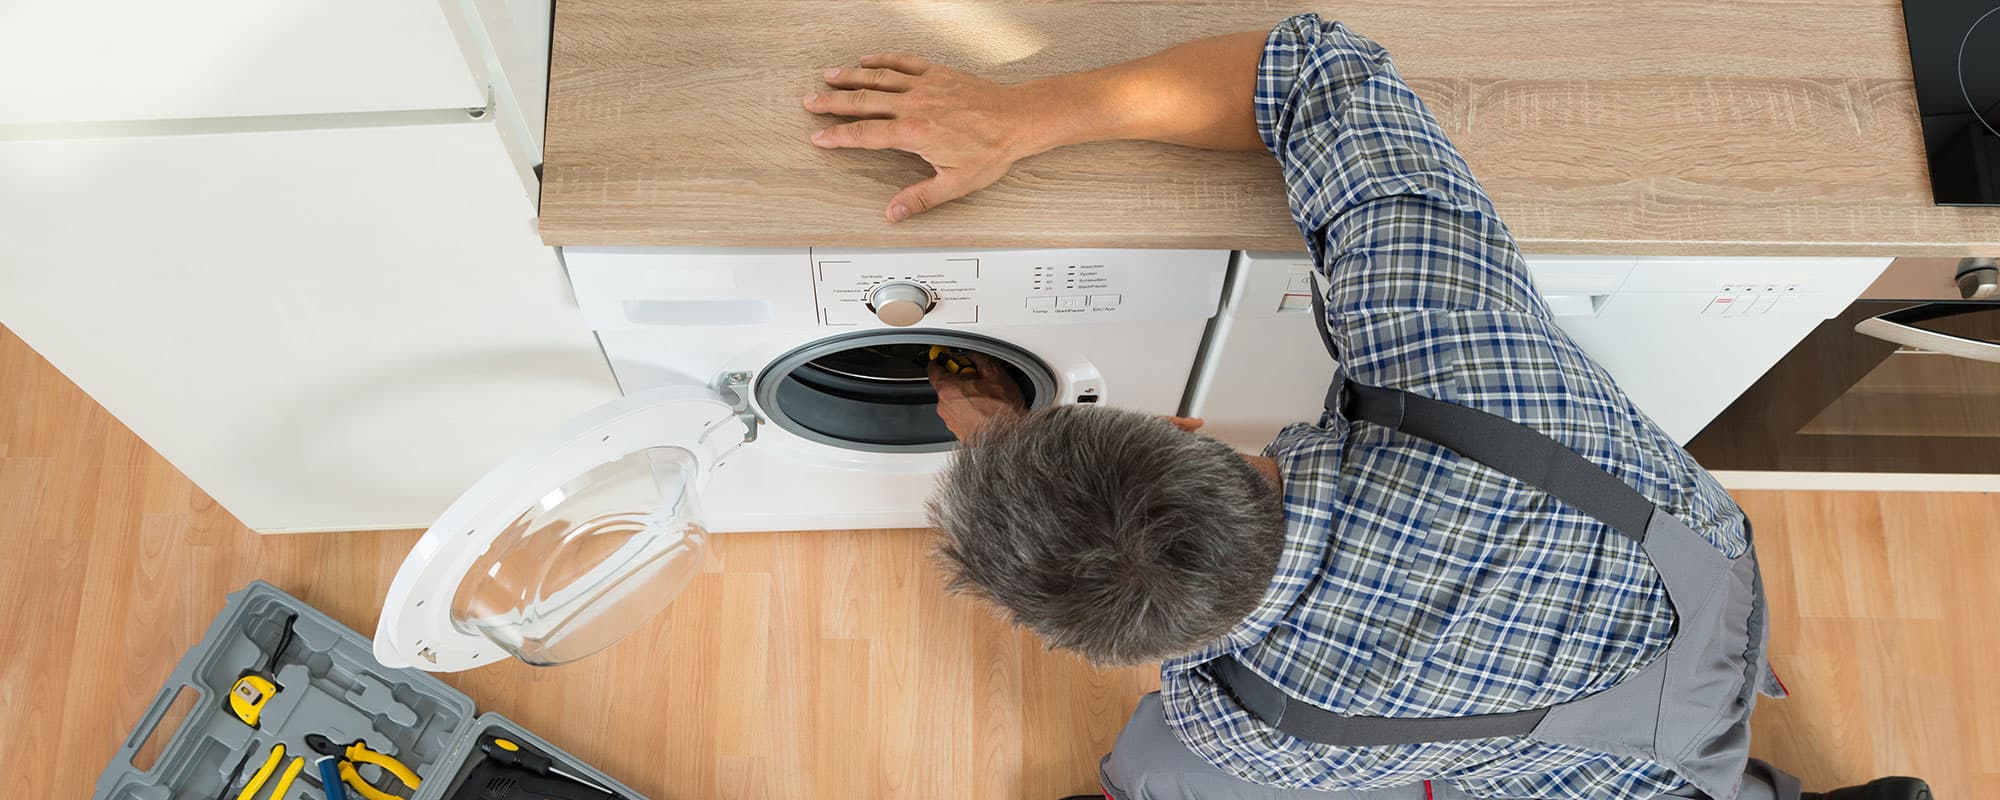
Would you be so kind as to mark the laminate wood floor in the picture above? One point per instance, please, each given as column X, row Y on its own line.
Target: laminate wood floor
column 833, row 665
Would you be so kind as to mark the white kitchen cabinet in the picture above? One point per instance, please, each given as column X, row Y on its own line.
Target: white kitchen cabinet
column 325, row 329
column 293, row 245
column 68, row 61
column 514, row 35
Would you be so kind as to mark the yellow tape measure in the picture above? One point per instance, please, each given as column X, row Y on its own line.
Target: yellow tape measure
column 248, row 696
column 255, row 687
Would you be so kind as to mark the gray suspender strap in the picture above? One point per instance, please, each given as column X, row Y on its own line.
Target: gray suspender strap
column 1504, row 445
column 1314, row 724
column 1510, row 448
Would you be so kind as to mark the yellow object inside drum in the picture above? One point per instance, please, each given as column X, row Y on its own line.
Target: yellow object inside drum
column 955, row 361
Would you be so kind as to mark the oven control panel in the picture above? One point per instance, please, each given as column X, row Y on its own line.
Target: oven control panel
column 876, row 288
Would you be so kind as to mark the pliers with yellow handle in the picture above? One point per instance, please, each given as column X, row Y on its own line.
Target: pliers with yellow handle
column 263, row 774
column 358, row 751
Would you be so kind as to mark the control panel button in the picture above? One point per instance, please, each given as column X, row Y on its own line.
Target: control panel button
column 901, row 303
column 1300, row 282
column 1295, row 302
column 1041, row 303
column 1106, row 300
column 1070, row 301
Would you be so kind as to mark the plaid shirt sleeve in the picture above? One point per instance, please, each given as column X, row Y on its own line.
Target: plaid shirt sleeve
column 1389, row 209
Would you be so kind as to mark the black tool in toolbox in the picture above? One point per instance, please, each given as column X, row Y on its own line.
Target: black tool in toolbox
column 334, row 693
column 508, row 770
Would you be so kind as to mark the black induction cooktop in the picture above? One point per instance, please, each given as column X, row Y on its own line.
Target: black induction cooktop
column 1955, row 52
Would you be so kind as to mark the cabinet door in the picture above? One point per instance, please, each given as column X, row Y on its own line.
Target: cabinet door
column 101, row 60
column 334, row 329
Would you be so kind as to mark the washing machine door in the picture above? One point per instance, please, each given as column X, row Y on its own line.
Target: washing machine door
column 570, row 544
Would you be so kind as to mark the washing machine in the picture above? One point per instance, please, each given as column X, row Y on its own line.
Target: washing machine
column 776, row 389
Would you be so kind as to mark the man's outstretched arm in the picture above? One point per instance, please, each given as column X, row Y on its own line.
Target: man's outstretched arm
column 1200, row 94
column 1390, row 210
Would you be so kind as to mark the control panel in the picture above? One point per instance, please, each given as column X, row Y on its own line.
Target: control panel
column 853, row 290
column 1582, row 287
column 1074, row 289
column 1753, row 299
column 862, row 288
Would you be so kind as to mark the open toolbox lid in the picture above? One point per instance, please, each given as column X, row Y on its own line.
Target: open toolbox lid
column 327, row 684
column 573, row 542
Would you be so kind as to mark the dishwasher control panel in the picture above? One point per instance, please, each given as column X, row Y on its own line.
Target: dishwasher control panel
column 1021, row 287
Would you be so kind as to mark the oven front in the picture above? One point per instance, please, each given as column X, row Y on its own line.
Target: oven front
column 1907, row 380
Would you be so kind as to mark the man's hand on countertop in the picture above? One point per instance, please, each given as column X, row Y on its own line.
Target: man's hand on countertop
column 970, row 129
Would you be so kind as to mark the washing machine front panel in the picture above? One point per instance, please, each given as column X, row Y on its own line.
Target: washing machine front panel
column 786, row 482
column 756, row 312
column 585, row 534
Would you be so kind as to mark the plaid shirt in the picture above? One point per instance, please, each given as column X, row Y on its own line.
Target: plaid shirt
column 1416, row 583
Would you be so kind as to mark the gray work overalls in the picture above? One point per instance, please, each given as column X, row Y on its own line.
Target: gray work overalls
column 1689, row 709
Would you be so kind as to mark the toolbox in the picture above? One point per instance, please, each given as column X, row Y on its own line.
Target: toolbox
column 327, row 682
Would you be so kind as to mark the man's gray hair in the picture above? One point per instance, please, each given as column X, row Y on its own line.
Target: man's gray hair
column 1110, row 533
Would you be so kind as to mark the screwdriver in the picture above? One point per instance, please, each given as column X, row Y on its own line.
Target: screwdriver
column 507, row 752
column 329, row 777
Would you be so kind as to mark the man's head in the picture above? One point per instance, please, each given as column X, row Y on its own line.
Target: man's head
column 1110, row 533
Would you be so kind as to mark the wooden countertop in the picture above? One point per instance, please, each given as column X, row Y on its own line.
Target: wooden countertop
column 1668, row 127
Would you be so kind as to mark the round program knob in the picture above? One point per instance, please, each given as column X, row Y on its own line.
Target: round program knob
column 900, row 303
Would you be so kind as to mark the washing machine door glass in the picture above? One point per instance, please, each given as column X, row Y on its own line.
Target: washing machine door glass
column 590, row 561
column 571, row 544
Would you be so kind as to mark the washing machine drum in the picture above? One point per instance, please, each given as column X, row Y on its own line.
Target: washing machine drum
column 871, row 391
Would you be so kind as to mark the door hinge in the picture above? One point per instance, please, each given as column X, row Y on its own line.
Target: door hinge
column 736, row 390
